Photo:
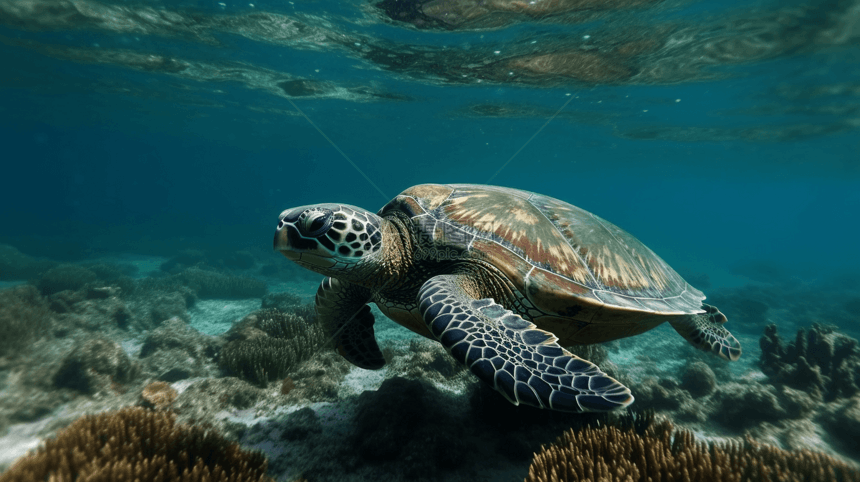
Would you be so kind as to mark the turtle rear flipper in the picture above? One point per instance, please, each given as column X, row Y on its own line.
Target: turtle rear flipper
column 522, row 362
column 705, row 331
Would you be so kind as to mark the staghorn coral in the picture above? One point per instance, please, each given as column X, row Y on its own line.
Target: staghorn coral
column 646, row 449
column 266, row 344
column 259, row 360
column 136, row 444
column 287, row 303
column 279, row 324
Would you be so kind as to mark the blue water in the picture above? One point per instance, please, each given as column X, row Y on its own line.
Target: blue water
column 759, row 161
column 728, row 144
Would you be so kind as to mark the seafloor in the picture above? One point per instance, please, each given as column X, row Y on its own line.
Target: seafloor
column 229, row 341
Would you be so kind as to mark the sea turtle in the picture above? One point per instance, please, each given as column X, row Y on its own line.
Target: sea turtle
column 504, row 279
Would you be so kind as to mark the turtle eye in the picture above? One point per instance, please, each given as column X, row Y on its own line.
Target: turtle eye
column 315, row 222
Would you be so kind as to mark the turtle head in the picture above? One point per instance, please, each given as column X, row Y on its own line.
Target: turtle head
column 331, row 239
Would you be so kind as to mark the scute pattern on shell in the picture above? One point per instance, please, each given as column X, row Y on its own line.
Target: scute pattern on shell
column 611, row 267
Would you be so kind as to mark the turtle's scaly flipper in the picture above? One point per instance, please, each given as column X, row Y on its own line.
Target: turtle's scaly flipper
column 522, row 362
column 342, row 309
column 705, row 331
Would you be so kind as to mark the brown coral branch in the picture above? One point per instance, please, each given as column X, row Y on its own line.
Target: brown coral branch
column 655, row 451
column 137, row 444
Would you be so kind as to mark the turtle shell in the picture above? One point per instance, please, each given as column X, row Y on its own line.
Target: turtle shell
column 569, row 263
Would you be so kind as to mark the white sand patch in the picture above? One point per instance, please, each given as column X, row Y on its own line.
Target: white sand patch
column 214, row 317
column 182, row 385
column 23, row 437
column 359, row 380
column 19, row 440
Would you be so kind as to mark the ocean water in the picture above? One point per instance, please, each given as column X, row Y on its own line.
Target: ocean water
column 163, row 139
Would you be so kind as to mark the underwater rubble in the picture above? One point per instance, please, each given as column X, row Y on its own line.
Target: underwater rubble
column 86, row 344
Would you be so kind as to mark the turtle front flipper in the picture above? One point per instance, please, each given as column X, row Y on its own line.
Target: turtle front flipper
column 705, row 331
column 345, row 316
column 522, row 362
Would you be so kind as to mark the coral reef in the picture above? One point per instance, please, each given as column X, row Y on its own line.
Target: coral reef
column 158, row 396
column 698, row 379
column 96, row 365
column 381, row 434
column 15, row 265
column 318, row 379
column 136, row 444
column 268, row 343
column 303, row 424
column 174, row 351
column 259, row 360
column 153, row 303
column 662, row 394
column 24, row 316
column 117, row 342
column 281, row 301
column 92, row 309
column 739, row 406
column 645, row 449
column 423, row 359
column 290, row 303
column 842, row 421
column 196, row 282
column 280, row 324
column 819, row 361
column 211, row 395
column 65, row 277
column 211, row 284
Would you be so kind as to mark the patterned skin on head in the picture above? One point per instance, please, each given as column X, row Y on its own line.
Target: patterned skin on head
column 339, row 233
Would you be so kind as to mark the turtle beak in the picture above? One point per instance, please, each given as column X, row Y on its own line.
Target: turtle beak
column 282, row 234
column 282, row 244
